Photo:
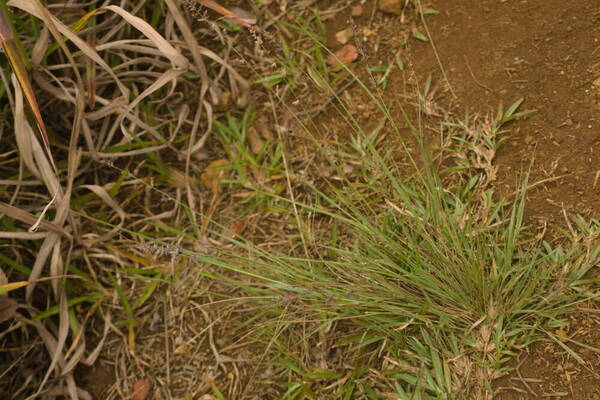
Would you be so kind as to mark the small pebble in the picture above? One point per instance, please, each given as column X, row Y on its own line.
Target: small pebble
column 344, row 36
column 357, row 11
column 391, row 6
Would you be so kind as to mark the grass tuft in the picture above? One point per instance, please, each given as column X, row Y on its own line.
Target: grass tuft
column 416, row 270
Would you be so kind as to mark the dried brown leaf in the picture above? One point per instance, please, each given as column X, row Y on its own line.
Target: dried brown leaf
column 236, row 228
column 562, row 334
column 18, row 66
column 165, row 78
column 106, row 198
column 7, row 287
column 244, row 15
column 357, row 11
column 30, row 219
column 344, row 36
column 182, row 349
column 160, row 42
column 262, row 126
column 176, row 178
column 31, row 8
column 141, row 389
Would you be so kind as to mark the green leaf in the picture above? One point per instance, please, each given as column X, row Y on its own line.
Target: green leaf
column 271, row 80
column 124, row 302
column 322, row 374
column 91, row 298
column 418, row 35
column 150, row 288
column 399, row 62
column 379, row 68
column 510, row 111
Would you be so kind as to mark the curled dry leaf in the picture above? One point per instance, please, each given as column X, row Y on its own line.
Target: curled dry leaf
column 141, row 389
column 345, row 55
column 214, row 174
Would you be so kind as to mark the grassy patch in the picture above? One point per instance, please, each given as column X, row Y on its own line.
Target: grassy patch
column 429, row 271
column 396, row 274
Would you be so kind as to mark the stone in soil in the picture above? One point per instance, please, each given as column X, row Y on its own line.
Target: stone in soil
column 391, row 6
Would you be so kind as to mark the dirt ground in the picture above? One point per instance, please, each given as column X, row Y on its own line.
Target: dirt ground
column 482, row 54
column 549, row 53
column 489, row 53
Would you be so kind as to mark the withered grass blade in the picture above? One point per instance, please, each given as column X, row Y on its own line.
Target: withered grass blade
column 17, row 62
column 223, row 11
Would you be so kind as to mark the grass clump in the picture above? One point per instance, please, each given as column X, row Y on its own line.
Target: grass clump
column 256, row 163
column 433, row 274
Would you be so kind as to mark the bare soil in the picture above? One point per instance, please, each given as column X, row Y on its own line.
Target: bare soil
column 548, row 371
column 487, row 53
column 547, row 52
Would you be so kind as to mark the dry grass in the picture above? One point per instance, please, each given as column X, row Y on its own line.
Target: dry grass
column 95, row 223
column 127, row 93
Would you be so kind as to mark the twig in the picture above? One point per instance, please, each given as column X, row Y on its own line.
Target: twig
column 167, row 344
column 552, row 179
column 524, row 382
column 434, row 48
column 218, row 359
column 473, row 75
